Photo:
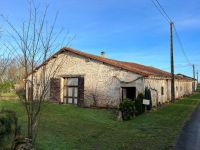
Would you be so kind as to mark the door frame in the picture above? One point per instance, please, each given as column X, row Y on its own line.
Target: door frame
column 126, row 92
column 73, row 91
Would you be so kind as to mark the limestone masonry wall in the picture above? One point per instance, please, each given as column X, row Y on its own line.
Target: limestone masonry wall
column 103, row 82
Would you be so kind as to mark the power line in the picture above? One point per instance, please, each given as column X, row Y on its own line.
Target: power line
column 181, row 45
column 161, row 11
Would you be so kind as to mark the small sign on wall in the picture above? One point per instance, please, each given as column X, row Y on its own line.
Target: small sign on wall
column 146, row 102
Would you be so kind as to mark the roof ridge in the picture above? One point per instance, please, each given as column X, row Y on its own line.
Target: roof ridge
column 129, row 66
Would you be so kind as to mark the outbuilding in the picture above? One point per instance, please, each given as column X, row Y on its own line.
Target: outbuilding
column 89, row 80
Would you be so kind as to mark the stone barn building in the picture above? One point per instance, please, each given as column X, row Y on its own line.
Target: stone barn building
column 88, row 80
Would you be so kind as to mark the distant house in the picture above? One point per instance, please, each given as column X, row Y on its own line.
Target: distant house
column 89, row 80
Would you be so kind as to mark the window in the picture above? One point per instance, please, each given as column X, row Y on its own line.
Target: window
column 162, row 90
column 72, row 81
column 73, row 92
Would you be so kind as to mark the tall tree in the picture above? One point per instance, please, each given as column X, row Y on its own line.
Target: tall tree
column 35, row 41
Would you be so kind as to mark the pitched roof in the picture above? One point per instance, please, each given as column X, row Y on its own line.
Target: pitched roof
column 186, row 77
column 129, row 66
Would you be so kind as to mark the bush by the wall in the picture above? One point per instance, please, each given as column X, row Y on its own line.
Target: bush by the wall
column 147, row 95
column 140, row 108
column 127, row 107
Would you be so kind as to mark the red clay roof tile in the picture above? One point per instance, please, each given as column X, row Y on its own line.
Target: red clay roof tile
column 129, row 66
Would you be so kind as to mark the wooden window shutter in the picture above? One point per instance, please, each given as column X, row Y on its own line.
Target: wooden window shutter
column 55, row 89
column 81, row 91
column 30, row 93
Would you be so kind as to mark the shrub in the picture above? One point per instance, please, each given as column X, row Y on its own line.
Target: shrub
column 140, row 108
column 127, row 107
column 8, row 128
column 6, row 87
column 147, row 95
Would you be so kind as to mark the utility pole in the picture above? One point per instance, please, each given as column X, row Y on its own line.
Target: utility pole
column 172, row 62
column 197, row 77
column 193, row 66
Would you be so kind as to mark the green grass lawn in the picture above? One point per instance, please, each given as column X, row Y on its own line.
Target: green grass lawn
column 10, row 94
column 64, row 127
column 198, row 87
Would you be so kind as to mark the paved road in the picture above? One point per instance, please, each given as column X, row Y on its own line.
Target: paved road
column 190, row 136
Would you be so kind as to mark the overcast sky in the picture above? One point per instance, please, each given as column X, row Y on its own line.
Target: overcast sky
column 128, row 30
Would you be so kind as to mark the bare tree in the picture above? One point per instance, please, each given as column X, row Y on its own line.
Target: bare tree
column 4, row 64
column 35, row 41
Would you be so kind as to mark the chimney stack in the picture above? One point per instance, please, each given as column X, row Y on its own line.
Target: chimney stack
column 103, row 54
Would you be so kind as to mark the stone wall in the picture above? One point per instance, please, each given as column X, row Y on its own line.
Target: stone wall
column 102, row 82
column 182, row 88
